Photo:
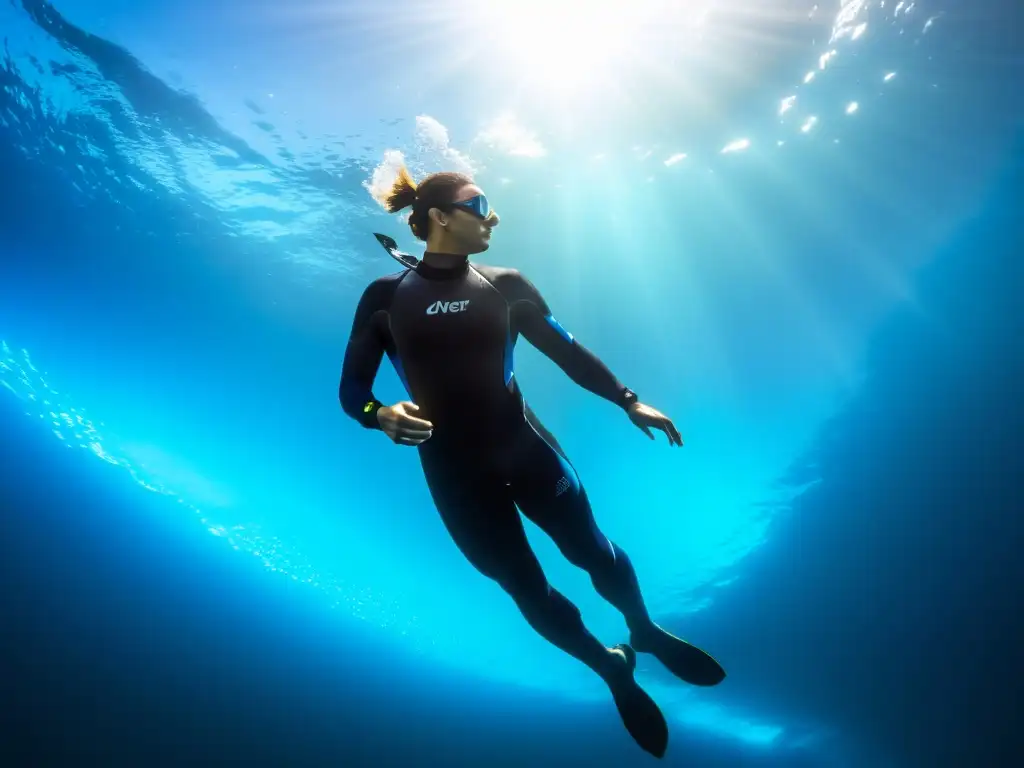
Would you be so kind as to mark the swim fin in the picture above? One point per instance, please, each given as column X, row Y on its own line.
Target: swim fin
column 641, row 716
column 687, row 662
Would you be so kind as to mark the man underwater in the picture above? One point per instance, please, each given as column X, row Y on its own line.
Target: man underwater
column 449, row 328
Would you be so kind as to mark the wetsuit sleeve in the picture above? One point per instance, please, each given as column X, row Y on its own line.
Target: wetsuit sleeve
column 533, row 319
column 366, row 346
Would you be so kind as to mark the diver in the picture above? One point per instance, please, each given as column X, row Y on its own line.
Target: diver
column 449, row 328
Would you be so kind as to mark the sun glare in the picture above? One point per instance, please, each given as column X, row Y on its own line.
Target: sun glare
column 568, row 43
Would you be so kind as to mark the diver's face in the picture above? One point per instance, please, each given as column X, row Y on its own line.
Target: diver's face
column 470, row 225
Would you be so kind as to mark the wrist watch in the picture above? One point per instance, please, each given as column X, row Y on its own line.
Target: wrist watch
column 369, row 417
column 628, row 398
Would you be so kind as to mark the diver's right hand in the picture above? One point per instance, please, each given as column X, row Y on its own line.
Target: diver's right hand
column 398, row 423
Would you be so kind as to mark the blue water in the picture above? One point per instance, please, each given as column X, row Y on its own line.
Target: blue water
column 756, row 214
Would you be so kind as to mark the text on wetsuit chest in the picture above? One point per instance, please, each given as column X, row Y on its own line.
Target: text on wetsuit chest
column 447, row 307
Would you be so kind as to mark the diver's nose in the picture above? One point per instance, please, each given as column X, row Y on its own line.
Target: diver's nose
column 492, row 221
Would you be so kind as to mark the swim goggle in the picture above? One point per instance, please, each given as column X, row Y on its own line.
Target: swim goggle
column 476, row 205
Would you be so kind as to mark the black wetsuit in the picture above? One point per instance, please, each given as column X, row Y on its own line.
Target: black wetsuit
column 451, row 333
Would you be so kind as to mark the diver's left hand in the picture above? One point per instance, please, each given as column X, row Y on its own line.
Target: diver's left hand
column 646, row 417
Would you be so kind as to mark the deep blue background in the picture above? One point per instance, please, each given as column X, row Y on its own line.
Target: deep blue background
column 886, row 600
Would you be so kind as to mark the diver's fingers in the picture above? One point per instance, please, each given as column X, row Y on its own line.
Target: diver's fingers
column 412, row 436
column 665, row 426
column 407, row 440
column 673, row 433
column 416, row 434
column 411, row 422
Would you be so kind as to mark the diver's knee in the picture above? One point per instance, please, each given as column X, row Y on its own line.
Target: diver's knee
column 553, row 609
column 593, row 557
column 526, row 592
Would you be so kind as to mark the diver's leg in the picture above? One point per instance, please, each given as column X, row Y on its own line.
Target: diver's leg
column 548, row 491
column 483, row 521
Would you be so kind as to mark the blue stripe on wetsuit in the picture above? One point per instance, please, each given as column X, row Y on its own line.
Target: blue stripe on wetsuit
column 558, row 327
column 509, row 358
column 510, row 347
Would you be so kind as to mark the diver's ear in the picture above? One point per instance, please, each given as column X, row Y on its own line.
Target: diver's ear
column 438, row 217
